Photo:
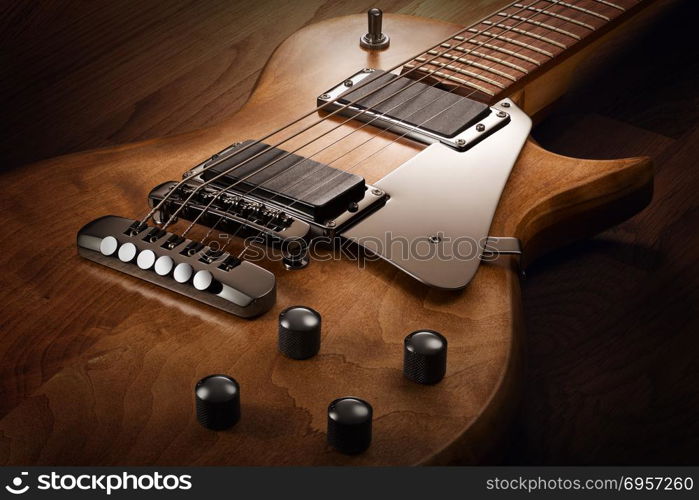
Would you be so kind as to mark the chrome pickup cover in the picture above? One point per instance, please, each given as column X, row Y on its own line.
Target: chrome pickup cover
column 441, row 198
column 242, row 288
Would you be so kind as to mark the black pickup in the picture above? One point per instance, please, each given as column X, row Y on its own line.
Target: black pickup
column 415, row 103
column 304, row 185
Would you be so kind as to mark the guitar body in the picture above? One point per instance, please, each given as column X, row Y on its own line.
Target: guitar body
column 99, row 368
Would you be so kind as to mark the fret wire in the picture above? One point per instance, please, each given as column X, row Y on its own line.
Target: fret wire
column 580, row 9
column 462, row 71
column 541, row 25
column 403, row 135
column 527, row 33
column 556, row 15
column 610, row 4
column 475, row 65
column 499, row 49
column 460, row 81
column 488, row 57
column 233, row 185
column 211, row 164
column 513, row 42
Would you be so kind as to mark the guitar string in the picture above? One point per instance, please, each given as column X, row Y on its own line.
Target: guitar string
column 221, row 218
column 306, row 115
column 358, row 146
column 321, row 150
column 244, row 162
column 287, row 154
column 552, row 3
column 396, row 139
column 221, row 191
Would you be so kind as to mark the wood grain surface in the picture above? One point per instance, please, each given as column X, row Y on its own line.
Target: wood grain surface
column 572, row 329
column 82, row 75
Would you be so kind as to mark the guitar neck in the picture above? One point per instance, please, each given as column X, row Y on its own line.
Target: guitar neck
column 503, row 52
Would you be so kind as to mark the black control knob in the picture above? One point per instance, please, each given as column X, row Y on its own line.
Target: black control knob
column 349, row 425
column 425, row 357
column 218, row 402
column 299, row 332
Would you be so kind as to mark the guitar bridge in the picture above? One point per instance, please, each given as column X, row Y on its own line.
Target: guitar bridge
column 178, row 264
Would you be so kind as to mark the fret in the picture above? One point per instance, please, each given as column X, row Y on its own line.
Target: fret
column 487, row 57
column 579, row 9
column 526, row 33
column 512, row 41
column 496, row 48
column 452, row 78
column 473, row 63
column 492, row 55
column 541, row 25
column 462, row 71
column 556, row 15
column 610, row 4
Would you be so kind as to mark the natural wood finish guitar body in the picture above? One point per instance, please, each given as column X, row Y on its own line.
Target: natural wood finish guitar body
column 99, row 367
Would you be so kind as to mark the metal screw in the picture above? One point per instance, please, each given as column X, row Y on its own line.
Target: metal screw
column 461, row 142
column 376, row 192
column 348, row 83
column 480, row 127
column 331, row 223
column 505, row 104
column 502, row 114
column 324, row 97
column 435, row 238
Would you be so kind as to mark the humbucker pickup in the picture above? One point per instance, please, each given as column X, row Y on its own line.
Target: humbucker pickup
column 267, row 190
column 316, row 190
column 422, row 112
column 179, row 264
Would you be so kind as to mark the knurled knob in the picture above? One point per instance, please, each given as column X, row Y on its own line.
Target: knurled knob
column 299, row 332
column 349, row 425
column 425, row 356
column 217, row 401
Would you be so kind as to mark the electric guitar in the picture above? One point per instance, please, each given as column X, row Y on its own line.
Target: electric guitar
column 380, row 177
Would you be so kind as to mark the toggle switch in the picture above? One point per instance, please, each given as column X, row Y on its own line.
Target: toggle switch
column 375, row 39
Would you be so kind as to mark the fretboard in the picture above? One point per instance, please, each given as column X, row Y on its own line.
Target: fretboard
column 517, row 43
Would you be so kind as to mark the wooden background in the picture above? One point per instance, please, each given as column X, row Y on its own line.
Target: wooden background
column 612, row 326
